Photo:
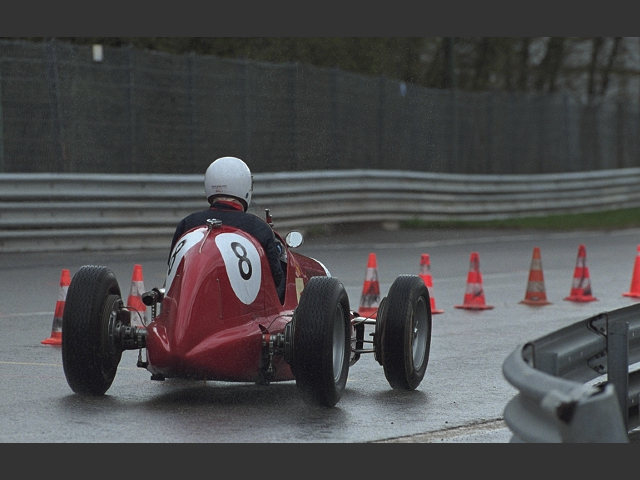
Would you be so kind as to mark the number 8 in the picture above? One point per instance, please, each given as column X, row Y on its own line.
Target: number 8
column 242, row 258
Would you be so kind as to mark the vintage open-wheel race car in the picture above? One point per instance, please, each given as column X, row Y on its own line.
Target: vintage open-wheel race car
column 218, row 317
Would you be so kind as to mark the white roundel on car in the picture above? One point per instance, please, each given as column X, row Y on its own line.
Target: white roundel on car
column 182, row 246
column 242, row 262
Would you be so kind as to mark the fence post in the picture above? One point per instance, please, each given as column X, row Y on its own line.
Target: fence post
column 54, row 103
column 190, row 73
column 379, row 160
column 246, row 109
column 1, row 126
column 132, row 113
column 617, row 363
column 335, row 128
column 293, row 101
column 453, row 132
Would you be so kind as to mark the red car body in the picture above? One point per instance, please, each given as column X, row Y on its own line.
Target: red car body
column 219, row 306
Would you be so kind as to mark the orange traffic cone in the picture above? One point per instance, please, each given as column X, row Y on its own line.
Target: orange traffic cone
column 56, row 328
column 370, row 298
column 535, row 294
column 134, row 302
column 474, row 294
column 425, row 274
column 634, row 290
column 581, row 285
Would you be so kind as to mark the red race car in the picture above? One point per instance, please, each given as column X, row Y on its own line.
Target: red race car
column 218, row 317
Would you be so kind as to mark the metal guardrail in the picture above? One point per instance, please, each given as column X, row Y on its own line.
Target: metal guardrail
column 578, row 384
column 55, row 211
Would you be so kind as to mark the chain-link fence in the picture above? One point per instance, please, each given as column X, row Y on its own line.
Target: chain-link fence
column 63, row 110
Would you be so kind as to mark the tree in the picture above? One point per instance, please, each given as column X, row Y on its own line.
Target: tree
column 463, row 63
column 547, row 72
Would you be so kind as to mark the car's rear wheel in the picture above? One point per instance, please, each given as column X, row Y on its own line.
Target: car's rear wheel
column 93, row 310
column 403, row 332
column 322, row 341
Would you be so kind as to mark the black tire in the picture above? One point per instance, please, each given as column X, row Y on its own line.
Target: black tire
column 322, row 341
column 90, row 353
column 405, row 332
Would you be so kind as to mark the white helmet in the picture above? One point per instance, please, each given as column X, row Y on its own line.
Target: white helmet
column 229, row 177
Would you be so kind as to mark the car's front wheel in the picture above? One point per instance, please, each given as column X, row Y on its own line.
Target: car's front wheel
column 403, row 332
column 322, row 341
column 93, row 310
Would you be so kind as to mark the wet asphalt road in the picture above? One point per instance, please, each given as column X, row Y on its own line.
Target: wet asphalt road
column 460, row 400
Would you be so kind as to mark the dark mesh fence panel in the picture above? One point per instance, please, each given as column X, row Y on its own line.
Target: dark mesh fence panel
column 436, row 107
column 316, row 140
column 30, row 143
column 95, row 126
column 221, row 120
column 162, row 111
column 398, row 132
column 144, row 111
column 358, row 121
column 272, row 110
column 628, row 136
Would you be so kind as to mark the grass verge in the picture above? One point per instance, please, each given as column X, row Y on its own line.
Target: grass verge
column 604, row 220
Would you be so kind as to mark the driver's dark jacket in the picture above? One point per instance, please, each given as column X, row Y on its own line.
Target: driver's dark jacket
column 233, row 215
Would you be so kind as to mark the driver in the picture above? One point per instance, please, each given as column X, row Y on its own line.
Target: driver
column 228, row 184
